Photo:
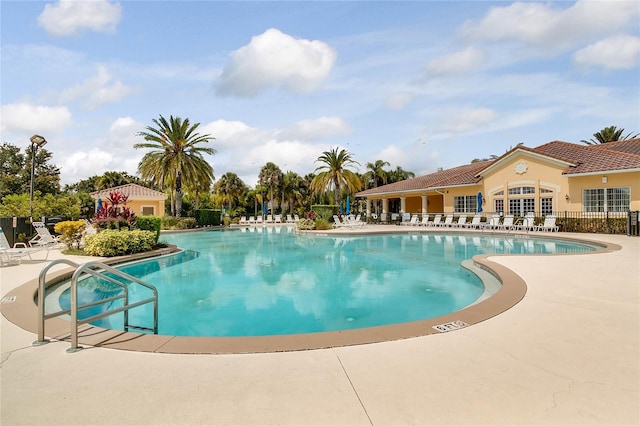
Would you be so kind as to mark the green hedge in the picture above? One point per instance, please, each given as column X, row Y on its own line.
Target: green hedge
column 325, row 211
column 150, row 223
column 208, row 217
column 109, row 243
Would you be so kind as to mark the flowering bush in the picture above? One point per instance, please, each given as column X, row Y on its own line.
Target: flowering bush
column 114, row 213
column 71, row 232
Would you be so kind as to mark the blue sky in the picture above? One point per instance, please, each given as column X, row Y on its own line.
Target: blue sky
column 420, row 84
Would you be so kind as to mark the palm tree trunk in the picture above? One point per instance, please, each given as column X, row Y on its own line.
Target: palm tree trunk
column 178, row 195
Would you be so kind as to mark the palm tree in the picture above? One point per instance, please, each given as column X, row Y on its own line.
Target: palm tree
column 376, row 173
column 609, row 134
column 270, row 175
column 230, row 187
column 334, row 175
column 399, row 174
column 177, row 157
column 291, row 189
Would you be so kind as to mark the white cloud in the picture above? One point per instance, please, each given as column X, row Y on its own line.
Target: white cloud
column 23, row 117
column 316, row 129
column 616, row 52
column 122, row 133
column 468, row 119
column 68, row 17
column 275, row 59
column 398, row 101
column 543, row 25
column 460, row 62
column 97, row 90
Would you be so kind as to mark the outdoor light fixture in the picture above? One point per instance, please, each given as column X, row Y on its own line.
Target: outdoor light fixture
column 566, row 197
column 37, row 141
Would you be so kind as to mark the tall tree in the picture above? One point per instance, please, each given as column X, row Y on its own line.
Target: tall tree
column 15, row 171
column 609, row 134
column 230, row 187
column 399, row 174
column 270, row 175
column 176, row 156
column 376, row 175
column 334, row 175
column 291, row 185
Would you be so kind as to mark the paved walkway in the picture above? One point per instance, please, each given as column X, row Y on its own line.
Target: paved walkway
column 566, row 354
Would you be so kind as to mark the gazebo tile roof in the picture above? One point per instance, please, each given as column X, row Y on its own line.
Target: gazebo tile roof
column 132, row 190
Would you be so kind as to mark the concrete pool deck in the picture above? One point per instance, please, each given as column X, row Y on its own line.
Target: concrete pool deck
column 568, row 353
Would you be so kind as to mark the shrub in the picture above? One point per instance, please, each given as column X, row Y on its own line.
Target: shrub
column 71, row 232
column 150, row 223
column 325, row 211
column 186, row 223
column 323, row 224
column 306, row 224
column 110, row 243
column 208, row 217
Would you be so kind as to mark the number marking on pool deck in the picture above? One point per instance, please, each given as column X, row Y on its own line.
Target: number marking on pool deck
column 8, row 299
column 450, row 326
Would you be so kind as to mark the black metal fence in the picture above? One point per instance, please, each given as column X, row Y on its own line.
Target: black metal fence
column 19, row 229
column 584, row 222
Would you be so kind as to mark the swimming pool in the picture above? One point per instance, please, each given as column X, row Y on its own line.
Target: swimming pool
column 269, row 281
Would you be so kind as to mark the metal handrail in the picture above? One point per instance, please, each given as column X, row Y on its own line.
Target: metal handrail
column 92, row 268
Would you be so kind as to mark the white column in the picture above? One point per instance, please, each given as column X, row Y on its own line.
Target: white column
column 368, row 204
column 424, row 203
column 403, row 204
column 385, row 205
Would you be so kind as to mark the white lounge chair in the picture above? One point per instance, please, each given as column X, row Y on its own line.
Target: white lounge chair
column 437, row 220
column 492, row 223
column 527, row 222
column 425, row 220
column 243, row 220
column 412, row 221
column 269, row 219
column 259, row 220
column 251, row 221
column 290, row 219
column 475, row 222
column 13, row 255
column 296, row 217
column 448, row 220
column 277, row 218
column 548, row 225
column 43, row 238
column 462, row 220
column 507, row 223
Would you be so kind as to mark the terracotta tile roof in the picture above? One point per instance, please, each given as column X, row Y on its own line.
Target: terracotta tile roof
column 133, row 191
column 461, row 175
column 620, row 155
column 594, row 158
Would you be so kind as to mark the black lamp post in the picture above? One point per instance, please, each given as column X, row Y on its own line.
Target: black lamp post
column 37, row 141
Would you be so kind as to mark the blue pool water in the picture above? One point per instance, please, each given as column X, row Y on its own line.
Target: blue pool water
column 271, row 281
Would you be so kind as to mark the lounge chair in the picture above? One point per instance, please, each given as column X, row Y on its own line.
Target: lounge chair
column 548, row 225
column 384, row 217
column 290, row 219
column 13, row 255
column 424, row 221
column 269, row 219
column 251, row 221
column 527, row 223
column 337, row 223
column 475, row 222
column 412, row 221
column 243, row 220
column 492, row 223
column 507, row 223
column 296, row 217
column 259, row 220
column 448, row 221
column 43, row 238
column 437, row 220
column 277, row 218
column 462, row 220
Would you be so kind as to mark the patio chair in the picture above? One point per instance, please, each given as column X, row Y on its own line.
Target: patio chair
column 290, row 219
column 462, row 220
column 475, row 222
column 448, row 221
column 492, row 223
column 14, row 255
column 437, row 220
column 243, row 220
column 526, row 223
column 412, row 221
column 424, row 221
column 43, row 238
column 269, row 219
column 277, row 218
column 507, row 223
column 548, row 225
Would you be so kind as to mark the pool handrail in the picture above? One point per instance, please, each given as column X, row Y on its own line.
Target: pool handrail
column 92, row 268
